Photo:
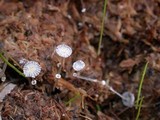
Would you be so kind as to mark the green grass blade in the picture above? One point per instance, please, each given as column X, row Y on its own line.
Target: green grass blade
column 9, row 64
column 72, row 99
column 102, row 28
column 140, row 85
column 98, row 107
column 139, row 109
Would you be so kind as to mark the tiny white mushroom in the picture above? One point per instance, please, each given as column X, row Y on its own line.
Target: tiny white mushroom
column 129, row 99
column 3, row 79
column 78, row 65
column 58, row 65
column 23, row 61
column 103, row 82
column 69, row 16
column 80, row 24
column 34, row 82
column 63, row 50
column 83, row 10
column 31, row 69
column 58, row 76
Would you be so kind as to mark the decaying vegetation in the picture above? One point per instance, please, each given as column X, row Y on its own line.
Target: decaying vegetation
column 32, row 30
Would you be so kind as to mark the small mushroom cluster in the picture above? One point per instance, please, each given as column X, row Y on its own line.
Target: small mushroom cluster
column 33, row 69
column 65, row 51
column 128, row 98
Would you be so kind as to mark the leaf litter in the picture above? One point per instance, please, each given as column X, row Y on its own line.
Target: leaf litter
column 32, row 30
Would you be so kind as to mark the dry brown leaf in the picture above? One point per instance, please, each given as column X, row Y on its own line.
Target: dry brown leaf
column 129, row 63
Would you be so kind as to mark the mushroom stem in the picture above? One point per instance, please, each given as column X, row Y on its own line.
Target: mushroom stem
column 59, row 65
column 95, row 80
column 127, row 97
column 117, row 93
column 84, row 78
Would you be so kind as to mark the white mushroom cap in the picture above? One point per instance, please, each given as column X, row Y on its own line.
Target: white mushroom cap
column 58, row 76
column 63, row 50
column 103, row 82
column 78, row 65
column 34, row 82
column 23, row 61
column 3, row 79
column 83, row 10
column 129, row 99
column 31, row 69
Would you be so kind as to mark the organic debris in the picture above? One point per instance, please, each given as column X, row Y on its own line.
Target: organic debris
column 31, row 104
column 6, row 89
column 33, row 30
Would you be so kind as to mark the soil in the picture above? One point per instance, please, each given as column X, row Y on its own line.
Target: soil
column 131, row 38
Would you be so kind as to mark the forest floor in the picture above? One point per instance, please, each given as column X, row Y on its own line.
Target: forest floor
column 131, row 38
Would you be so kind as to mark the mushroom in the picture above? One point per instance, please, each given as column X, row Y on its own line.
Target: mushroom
column 63, row 51
column 34, row 82
column 78, row 65
column 31, row 69
column 128, row 98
